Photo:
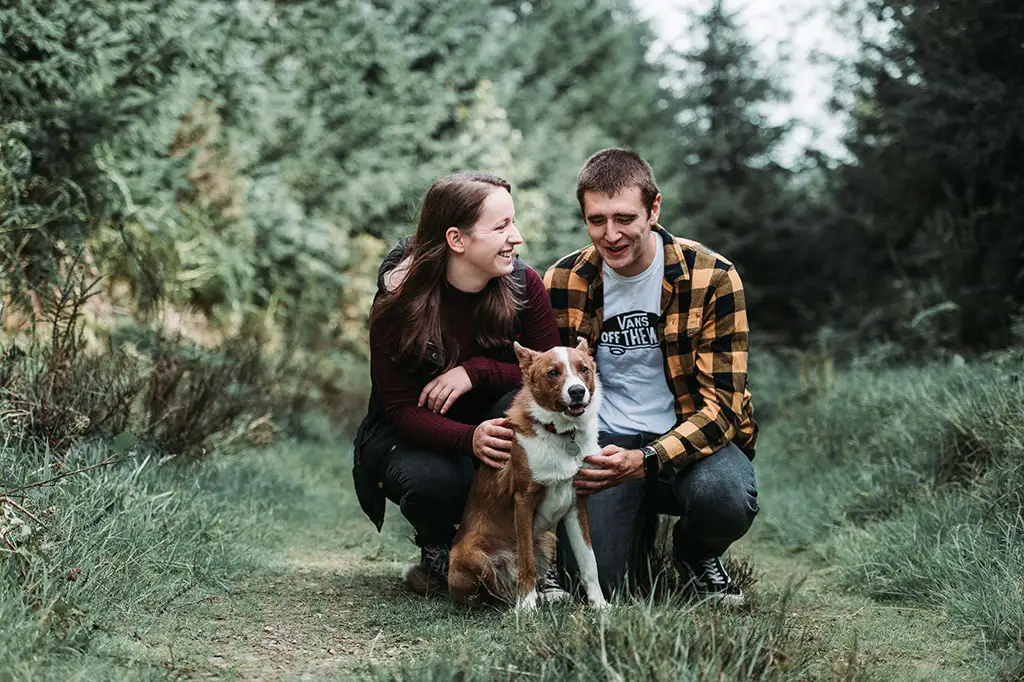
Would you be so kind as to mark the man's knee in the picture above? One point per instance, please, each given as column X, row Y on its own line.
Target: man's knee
column 721, row 496
column 722, row 505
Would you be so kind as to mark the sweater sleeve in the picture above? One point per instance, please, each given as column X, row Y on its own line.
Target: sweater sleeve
column 399, row 392
column 538, row 331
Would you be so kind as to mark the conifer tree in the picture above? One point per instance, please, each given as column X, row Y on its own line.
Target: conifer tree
column 736, row 197
column 84, row 88
column 938, row 179
column 576, row 76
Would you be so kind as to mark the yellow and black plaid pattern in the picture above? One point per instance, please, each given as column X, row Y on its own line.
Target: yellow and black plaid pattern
column 705, row 340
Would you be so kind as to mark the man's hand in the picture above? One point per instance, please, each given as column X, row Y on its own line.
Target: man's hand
column 492, row 442
column 613, row 466
column 445, row 389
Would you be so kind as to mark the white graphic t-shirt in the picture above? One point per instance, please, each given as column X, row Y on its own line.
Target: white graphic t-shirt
column 629, row 358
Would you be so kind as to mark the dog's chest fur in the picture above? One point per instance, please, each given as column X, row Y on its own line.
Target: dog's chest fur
column 554, row 460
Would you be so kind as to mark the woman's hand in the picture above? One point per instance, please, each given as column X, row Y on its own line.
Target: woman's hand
column 492, row 442
column 445, row 389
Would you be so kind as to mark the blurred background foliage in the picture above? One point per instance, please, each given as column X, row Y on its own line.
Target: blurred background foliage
column 237, row 168
column 195, row 196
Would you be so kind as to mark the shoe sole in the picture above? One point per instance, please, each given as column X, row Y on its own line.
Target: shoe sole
column 421, row 583
column 553, row 596
column 724, row 599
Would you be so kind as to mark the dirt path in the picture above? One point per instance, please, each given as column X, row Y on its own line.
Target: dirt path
column 302, row 620
column 329, row 604
column 316, row 605
column 306, row 617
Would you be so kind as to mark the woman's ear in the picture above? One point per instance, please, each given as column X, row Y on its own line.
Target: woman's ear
column 453, row 236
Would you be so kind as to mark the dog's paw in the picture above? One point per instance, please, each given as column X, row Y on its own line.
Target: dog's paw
column 528, row 603
column 599, row 604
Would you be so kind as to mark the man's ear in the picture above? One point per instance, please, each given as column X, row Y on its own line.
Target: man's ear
column 525, row 355
column 583, row 346
column 655, row 209
column 453, row 236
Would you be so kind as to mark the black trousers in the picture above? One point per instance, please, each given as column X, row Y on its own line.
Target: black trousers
column 431, row 488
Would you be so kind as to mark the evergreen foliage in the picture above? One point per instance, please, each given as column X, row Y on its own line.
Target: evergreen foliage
column 84, row 89
column 737, row 197
column 577, row 77
column 936, row 191
column 260, row 155
column 250, row 161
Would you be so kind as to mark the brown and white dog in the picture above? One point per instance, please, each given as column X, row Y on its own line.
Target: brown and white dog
column 507, row 535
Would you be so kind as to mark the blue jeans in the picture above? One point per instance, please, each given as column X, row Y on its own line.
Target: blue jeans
column 715, row 500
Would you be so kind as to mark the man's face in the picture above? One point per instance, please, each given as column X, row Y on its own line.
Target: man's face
column 620, row 228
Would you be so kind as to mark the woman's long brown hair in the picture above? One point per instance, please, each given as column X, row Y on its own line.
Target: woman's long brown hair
column 411, row 313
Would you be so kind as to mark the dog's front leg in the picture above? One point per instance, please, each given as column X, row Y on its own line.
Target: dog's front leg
column 526, row 571
column 577, row 527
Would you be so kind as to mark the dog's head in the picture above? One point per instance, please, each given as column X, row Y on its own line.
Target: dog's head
column 562, row 380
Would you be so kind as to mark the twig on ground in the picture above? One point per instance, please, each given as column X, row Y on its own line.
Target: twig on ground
column 3, row 534
column 24, row 511
column 373, row 644
column 56, row 478
column 184, row 590
column 513, row 670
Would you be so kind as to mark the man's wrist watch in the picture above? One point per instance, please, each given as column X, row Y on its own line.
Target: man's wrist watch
column 651, row 464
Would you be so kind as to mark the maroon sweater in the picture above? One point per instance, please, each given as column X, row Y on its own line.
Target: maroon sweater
column 452, row 433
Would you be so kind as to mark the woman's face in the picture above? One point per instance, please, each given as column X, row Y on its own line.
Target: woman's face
column 490, row 243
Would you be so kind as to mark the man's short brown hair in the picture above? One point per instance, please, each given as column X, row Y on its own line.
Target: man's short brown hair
column 611, row 170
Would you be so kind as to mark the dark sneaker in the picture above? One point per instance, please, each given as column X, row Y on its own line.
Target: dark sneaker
column 707, row 579
column 548, row 588
column 430, row 575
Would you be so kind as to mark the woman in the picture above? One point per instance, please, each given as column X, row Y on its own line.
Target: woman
column 450, row 302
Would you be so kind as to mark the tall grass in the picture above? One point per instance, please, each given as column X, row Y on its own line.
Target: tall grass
column 655, row 639
column 104, row 525
column 911, row 482
column 115, row 549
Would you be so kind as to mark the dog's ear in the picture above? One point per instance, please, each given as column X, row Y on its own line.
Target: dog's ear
column 524, row 354
column 583, row 346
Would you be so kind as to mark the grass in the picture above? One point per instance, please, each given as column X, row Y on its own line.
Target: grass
column 261, row 566
column 661, row 641
column 122, row 548
column 911, row 482
column 888, row 547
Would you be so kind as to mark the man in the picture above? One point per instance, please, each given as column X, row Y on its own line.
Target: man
column 669, row 324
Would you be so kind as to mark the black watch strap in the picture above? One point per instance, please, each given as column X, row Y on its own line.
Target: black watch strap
column 651, row 465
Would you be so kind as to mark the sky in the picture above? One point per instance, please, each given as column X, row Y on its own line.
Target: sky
column 807, row 27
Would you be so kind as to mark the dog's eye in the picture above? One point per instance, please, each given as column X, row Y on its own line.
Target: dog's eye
column 584, row 371
column 552, row 373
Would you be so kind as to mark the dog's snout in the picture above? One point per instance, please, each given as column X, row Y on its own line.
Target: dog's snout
column 577, row 392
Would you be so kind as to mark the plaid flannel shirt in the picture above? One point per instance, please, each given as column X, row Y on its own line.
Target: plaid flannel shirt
column 704, row 338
